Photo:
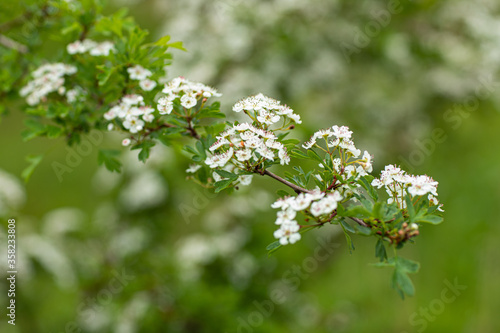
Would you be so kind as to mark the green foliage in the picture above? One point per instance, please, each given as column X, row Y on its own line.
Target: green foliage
column 109, row 159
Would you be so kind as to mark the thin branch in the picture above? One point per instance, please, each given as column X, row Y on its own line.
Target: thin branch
column 359, row 221
column 191, row 129
column 12, row 44
column 296, row 188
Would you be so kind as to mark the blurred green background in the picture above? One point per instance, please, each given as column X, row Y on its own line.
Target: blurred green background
column 395, row 72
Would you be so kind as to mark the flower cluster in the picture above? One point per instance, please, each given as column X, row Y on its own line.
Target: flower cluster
column 131, row 112
column 92, row 47
column 398, row 184
column 341, row 138
column 317, row 203
column 142, row 74
column 346, row 159
column 188, row 93
column 266, row 111
column 246, row 146
column 46, row 79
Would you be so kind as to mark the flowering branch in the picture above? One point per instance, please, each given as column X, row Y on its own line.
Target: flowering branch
column 226, row 155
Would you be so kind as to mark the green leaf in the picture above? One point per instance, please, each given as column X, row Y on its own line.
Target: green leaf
column 314, row 155
column 227, row 174
column 34, row 129
column 163, row 41
column 107, row 157
column 299, row 154
column 145, row 147
column 407, row 265
column 432, row 219
column 361, row 230
column 177, row 45
column 220, row 185
column 54, row 131
column 273, row 246
column 33, row 161
column 348, row 239
column 104, row 74
column 402, row 281
column 348, row 227
column 358, row 211
column 410, row 208
column 380, row 250
column 365, row 181
column 378, row 210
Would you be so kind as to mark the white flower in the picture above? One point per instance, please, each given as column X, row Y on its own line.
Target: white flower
column 301, row 202
column 110, row 115
column 138, row 72
column 421, row 185
column 285, row 216
column 268, row 118
column 147, row 84
column 102, row 49
column 133, row 99
column 133, row 124
column 126, row 142
column 288, row 233
column 267, row 110
column 193, row 168
column 110, row 127
column 245, row 179
column 243, row 155
column 217, row 144
column 342, row 132
column 188, row 101
column 75, row 47
column 165, row 105
column 148, row 117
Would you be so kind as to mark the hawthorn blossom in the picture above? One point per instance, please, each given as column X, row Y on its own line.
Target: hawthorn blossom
column 92, row 47
column 288, row 233
column 47, row 78
column 316, row 203
column 265, row 110
column 138, row 72
column 147, row 84
column 193, row 168
column 250, row 144
column 398, row 184
column 131, row 113
column 188, row 93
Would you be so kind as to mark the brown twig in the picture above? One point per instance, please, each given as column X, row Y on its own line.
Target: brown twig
column 359, row 221
column 296, row 188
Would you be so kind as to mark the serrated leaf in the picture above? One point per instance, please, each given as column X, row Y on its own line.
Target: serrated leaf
column 107, row 157
column 227, row 174
column 361, row 230
column 357, row 211
column 407, row 265
column 380, row 251
column 220, row 185
column 409, row 208
column 34, row 161
column 312, row 154
column 348, row 239
column 299, row 154
column 347, row 227
column 366, row 183
column 403, row 282
column 432, row 219
column 177, row 45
